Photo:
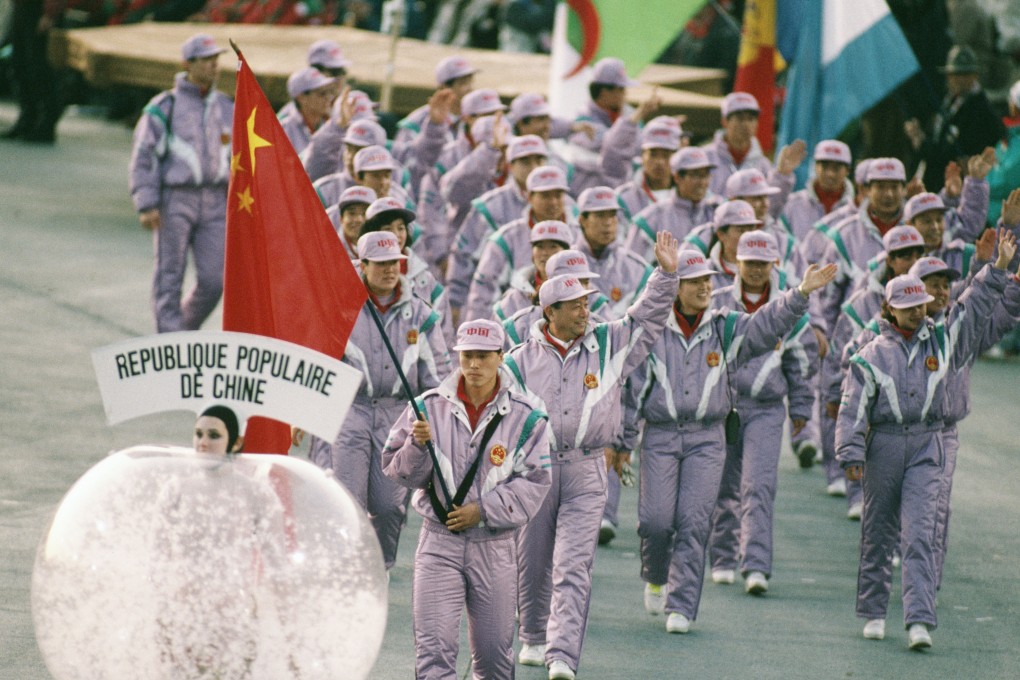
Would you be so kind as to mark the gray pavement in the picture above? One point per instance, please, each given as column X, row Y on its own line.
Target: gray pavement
column 74, row 275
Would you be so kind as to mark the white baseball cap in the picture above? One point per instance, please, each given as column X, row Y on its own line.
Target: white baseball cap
column 327, row 54
column 690, row 158
column 886, row 169
column 927, row 266
column 750, row 182
column 562, row 289
column 660, row 136
column 693, row 264
column 739, row 101
column 199, row 46
column 734, row 212
column 452, row 68
column 552, row 230
column 364, row 133
column 906, row 291
column 922, row 203
column 481, row 102
column 305, row 80
column 388, row 204
column 379, row 246
column 547, row 178
column 526, row 145
column 832, row 150
column 597, row 199
column 527, row 105
column 757, row 246
column 569, row 263
column 901, row 238
column 611, row 71
column 355, row 194
column 481, row 335
column 373, row 158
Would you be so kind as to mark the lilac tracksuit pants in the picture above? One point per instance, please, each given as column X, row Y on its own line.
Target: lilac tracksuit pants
column 556, row 554
column 902, row 479
column 951, row 446
column 356, row 460
column 192, row 218
column 743, row 517
column 450, row 569
column 833, row 471
column 680, row 470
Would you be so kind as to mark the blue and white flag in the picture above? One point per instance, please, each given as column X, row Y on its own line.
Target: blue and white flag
column 847, row 56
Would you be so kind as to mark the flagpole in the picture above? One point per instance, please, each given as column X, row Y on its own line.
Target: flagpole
column 410, row 397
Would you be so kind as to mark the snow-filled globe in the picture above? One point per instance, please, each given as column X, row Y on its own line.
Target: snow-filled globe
column 165, row 563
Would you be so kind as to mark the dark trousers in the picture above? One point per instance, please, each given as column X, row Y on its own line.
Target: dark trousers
column 36, row 81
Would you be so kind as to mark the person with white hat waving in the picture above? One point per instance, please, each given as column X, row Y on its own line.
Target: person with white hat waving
column 742, row 522
column 492, row 447
column 829, row 190
column 578, row 369
column 685, row 397
column 889, row 435
column 313, row 94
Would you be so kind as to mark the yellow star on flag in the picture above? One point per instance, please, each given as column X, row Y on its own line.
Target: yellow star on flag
column 245, row 200
column 254, row 141
column 235, row 163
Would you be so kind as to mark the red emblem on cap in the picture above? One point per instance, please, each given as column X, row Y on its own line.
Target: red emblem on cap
column 590, row 381
column 932, row 363
column 497, row 455
column 712, row 359
column 412, row 336
column 616, row 294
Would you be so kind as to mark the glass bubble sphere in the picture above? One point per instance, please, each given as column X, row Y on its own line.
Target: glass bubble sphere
column 164, row 563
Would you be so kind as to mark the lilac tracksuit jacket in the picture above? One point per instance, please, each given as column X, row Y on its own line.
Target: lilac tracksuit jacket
column 585, row 152
column 518, row 296
column 725, row 166
column 180, row 164
column 633, row 197
column 414, row 330
column 622, row 275
column 620, row 146
column 684, row 394
column 891, row 418
column 297, row 131
column 488, row 212
column 505, row 251
column 803, row 210
column 742, row 521
column 678, row 216
column 474, row 568
column 330, row 188
column 582, row 392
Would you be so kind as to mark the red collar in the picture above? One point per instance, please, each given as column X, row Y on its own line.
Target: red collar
column 828, row 199
column 557, row 343
column 907, row 335
column 753, row 307
column 686, row 328
column 538, row 281
column 726, row 270
column 473, row 412
column 613, row 115
column 738, row 156
column 381, row 307
column 883, row 227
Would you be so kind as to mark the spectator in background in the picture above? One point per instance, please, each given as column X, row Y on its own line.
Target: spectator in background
column 526, row 25
column 39, row 103
column 964, row 125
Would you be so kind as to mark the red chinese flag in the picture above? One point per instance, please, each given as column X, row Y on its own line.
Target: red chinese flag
column 757, row 64
column 287, row 275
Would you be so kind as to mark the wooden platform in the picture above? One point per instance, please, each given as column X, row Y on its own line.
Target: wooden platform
column 148, row 55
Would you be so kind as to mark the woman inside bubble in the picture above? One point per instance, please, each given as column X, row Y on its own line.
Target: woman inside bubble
column 217, row 432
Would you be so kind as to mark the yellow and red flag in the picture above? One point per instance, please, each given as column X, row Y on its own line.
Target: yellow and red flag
column 757, row 64
column 286, row 274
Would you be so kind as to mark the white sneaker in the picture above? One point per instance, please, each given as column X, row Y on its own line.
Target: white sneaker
column 607, row 532
column 756, row 583
column 836, row 488
column 723, row 576
column 874, row 629
column 559, row 670
column 855, row 511
column 896, row 560
column 677, row 623
column 655, row 599
column 918, row 637
column 531, row 655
